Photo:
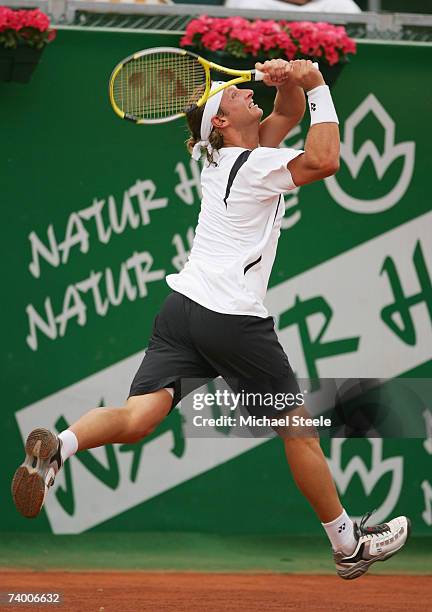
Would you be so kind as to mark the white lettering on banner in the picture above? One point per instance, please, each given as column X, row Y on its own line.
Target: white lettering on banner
column 188, row 188
column 381, row 163
column 92, row 284
column 78, row 235
column 291, row 217
column 127, row 217
column 125, row 287
column 36, row 322
column 74, row 307
column 427, row 512
column 179, row 260
column 95, row 210
column 427, row 415
column 98, row 484
column 51, row 254
column 425, row 485
column 145, row 191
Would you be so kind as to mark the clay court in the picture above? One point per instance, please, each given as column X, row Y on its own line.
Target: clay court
column 134, row 591
column 130, row 572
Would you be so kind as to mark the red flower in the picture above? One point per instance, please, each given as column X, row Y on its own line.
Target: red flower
column 199, row 26
column 14, row 20
column 237, row 22
column 186, row 41
column 288, row 46
column 30, row 27
column 36, row 19
column 222, row 26
column 4, row 17
column 276, row 39
column 214, row 41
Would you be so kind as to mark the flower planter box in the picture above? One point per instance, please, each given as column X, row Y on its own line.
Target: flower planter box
column 23, row 36
column 18, row 64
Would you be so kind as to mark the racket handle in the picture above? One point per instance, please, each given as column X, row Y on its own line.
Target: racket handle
column 258, row 75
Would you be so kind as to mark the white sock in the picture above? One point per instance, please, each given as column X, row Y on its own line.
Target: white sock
column 69, row 444
column 341, row 533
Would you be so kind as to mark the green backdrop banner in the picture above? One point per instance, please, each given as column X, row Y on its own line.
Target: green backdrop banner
column 97, row 211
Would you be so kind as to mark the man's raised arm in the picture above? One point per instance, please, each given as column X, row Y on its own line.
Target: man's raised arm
column 321, row 152
column 289, row 106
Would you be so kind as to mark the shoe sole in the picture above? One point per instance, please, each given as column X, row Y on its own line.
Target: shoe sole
column 362, row 567
column 28, row 484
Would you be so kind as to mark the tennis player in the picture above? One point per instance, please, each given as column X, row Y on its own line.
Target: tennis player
column 214, row 322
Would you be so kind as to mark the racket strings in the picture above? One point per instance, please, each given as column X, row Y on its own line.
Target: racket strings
column 159, row 85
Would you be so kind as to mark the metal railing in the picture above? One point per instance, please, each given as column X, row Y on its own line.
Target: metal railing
column 174, row 17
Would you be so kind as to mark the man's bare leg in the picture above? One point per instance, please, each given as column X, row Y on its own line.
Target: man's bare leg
column 355, row 548
column 313, row 477
column 136, row 419
column 46, row 452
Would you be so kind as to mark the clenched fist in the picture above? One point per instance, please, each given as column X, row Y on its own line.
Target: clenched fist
column 296, row 72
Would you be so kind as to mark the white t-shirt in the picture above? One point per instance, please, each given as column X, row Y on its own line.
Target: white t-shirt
column 316, row 6
column 238, row 229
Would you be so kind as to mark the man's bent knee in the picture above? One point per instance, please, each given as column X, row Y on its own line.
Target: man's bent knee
column 145, row 412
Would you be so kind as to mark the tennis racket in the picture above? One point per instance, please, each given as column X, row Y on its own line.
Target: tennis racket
column 164, row 83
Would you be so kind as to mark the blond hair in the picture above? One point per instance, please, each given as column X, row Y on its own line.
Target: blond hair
column 194, row 119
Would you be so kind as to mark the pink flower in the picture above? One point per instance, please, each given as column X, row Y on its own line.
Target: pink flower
column 35, row 19
column 186, row 41
column 251, row 42
column 332, row 56
column 349, row 46
column 14, row 20
column 237, row 22
column 265, row 27
column 292, row 39
column 289, row 48
column 214, row 41
column 17, row 20
column 244, row 36
column 221, row 25
column 197, row 27
column 269, row 42
column 4, row 17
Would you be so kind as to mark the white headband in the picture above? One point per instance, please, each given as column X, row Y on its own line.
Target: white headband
column 211, row 108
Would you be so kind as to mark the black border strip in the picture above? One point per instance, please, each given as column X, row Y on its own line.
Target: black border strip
column 241, row 159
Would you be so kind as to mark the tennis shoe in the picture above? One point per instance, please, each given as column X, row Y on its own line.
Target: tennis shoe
column 377, row 543
column 36, row 475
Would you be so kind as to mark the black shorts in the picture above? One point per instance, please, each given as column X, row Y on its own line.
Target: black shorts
column 191, row 345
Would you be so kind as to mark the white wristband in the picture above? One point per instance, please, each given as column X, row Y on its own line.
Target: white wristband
column 321, row 105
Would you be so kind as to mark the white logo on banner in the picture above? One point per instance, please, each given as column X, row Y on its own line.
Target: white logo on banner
column 427, row 415
column 427, row 512
column 381, row 163
column 369, row 478
column 425, row 485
